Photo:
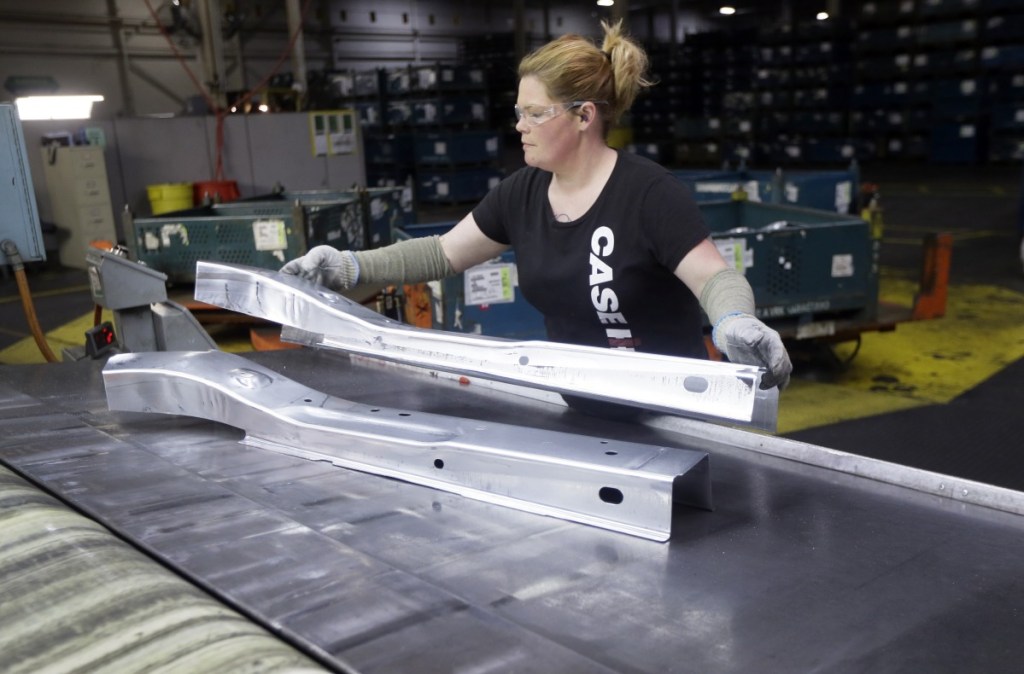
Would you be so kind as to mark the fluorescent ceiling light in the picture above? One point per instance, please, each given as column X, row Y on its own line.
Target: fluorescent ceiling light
column 605, row 3
column 728, row 11
column 55, row 107
column 822, row 16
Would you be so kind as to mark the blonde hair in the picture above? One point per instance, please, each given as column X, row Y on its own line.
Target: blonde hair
column 572, row 68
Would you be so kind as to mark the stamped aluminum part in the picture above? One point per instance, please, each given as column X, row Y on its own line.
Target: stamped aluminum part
column 692, row 387
column 623, row 486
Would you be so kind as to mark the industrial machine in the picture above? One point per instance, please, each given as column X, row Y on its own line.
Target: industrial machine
column 133, row 540
column 144, row 318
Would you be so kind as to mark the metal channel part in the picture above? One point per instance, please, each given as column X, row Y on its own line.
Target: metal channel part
column 697, row 388
column 623, row 486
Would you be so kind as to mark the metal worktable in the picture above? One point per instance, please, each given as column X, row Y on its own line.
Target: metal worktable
column 798, row 568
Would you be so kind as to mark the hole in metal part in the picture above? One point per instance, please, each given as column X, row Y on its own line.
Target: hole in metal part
column 610, row 495
column 438, row 463
column 695, row 384
column 611, row 453
column 375, row 409
column 524, row 360
column 404, row 414
column 307, row 400
column 604, row 442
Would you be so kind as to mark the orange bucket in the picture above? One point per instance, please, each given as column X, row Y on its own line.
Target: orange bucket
column 216, row 191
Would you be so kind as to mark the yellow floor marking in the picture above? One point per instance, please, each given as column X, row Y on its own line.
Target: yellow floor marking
column 920, row 363
column 45, row 293
column 72, row 334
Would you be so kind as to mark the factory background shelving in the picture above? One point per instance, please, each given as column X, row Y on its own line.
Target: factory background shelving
column 427, row 126
column 929, row 80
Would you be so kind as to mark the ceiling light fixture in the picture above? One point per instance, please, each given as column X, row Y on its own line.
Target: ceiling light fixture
column 822, row 16
column 727, row 10
column 605, row 3
column 55, row 107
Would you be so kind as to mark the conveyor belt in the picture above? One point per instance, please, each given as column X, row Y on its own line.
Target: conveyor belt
column 800, row 568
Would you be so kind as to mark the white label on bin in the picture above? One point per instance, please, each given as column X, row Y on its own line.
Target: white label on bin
column 491, row 144
column 842, row 266
column 492, row 182
column 744, row 126
column 907, row 6
column 489, row 284
column 903, row 32
column 442, row 189
column 440, row 148
column 967, row 87
column 989, row 53
column 967, row 131
column 900, row 87
column 269, row 235
column 713, row 123
column 816, row 329
column 792, row 193
column 920, row 60
column 1018, row 81
column 167, row 231
column 1018, row 115
column 844, row 196
column 150, row 241
column 735, row 253
column 902, row 60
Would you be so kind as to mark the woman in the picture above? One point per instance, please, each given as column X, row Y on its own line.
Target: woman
column 610, row 247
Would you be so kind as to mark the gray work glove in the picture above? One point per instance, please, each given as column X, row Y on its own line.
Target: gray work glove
column 745, row 339
column 326, row 266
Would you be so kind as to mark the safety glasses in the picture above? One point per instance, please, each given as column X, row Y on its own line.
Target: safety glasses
column 535, row 115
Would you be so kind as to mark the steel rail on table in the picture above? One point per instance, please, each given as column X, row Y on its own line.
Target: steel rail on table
column 623, row 486
column 697, row 388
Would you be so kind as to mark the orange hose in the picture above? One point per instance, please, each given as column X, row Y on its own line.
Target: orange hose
column 30, row 316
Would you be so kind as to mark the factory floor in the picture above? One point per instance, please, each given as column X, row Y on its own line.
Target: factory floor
column 945, row 394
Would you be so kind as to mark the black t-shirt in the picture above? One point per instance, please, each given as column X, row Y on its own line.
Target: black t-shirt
column 605, row 279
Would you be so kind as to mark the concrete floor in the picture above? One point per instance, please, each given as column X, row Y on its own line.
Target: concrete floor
column 903, row 394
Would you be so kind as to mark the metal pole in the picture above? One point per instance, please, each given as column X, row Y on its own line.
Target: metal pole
column 620, row 10
column 116, row 26
column 299, row 49
column 212, row 49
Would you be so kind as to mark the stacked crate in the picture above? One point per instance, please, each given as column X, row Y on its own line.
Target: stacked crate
column 935, row 80
column 455, row 152
column 442, row 107
column 1002, row 59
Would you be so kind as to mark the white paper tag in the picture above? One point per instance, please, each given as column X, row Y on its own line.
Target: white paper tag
column 736, row 253
column 489, row 284
column 269, row 235
column 842, row 266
